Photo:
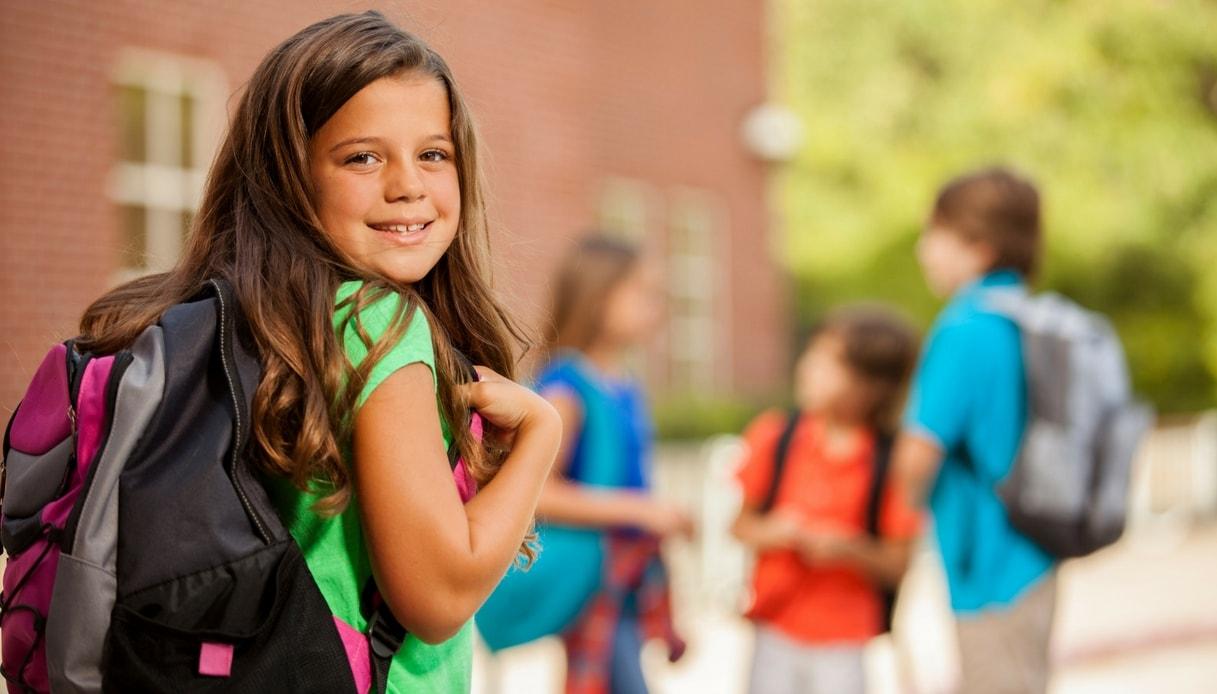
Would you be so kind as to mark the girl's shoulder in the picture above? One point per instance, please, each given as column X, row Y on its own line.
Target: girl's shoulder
column 380, row 311
column 361, row 329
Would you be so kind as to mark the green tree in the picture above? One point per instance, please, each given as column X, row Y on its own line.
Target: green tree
column 1110, row 105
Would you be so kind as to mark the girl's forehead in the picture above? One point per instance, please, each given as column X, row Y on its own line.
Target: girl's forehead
column 828, row 340
column 405, row 106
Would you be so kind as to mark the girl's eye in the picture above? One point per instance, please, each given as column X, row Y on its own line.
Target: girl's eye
column 361, row 158
column 435, row 155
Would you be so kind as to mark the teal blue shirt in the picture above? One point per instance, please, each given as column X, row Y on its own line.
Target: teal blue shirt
column 969, row 396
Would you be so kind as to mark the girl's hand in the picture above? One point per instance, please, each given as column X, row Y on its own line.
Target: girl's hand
column 824, row 547
column 507, row 405
column 783, row 528
column 667, row 520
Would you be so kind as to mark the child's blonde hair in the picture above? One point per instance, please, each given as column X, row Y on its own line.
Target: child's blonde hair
column 258, row 227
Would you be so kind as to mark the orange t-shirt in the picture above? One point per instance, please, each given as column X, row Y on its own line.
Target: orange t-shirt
column 824, row 489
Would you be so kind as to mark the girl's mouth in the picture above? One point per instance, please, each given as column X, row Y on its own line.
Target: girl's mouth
column 403, row 235
column 400, row 229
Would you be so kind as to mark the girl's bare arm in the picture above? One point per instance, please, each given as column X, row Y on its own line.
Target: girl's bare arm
column 435, row 559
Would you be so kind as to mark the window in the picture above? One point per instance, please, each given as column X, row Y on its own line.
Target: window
column 687, row 228
column 624, row 209
column 628, row 210
column 697, row 280
column 170, row 112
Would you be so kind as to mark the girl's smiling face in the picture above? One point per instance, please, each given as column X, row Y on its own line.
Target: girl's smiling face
column 384, row 176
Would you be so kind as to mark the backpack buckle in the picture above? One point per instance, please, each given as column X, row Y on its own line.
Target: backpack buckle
column 385, row 634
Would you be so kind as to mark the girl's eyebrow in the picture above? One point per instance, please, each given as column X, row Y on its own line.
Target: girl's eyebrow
column 357, row 140
column 380, row 140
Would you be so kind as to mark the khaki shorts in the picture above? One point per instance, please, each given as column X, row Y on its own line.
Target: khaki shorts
column 1006, row 651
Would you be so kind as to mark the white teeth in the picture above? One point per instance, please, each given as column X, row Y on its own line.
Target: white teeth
column 399, row 228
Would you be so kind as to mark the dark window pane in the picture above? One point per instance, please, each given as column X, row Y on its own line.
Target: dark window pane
column 187, row 220
column 187, row 132
column 133, row 126
column 134, row 238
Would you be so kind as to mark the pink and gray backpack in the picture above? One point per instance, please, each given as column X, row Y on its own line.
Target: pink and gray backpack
column 144, row 554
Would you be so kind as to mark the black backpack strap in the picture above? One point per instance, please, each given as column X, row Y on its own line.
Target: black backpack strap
column 874, row 501
column 874, row 514
column 385, row 636
column 779, row 460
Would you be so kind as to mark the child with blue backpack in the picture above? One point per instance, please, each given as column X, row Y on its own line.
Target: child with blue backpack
column 600, row 581
column 301, row 385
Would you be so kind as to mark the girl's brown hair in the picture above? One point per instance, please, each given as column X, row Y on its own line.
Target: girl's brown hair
column 881, row 348
column 257, row 227
column 582, row 287
column 998, row 207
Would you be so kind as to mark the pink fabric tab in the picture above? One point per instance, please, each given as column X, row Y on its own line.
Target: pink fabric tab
column 356, row 645
column 215, row 659
column 466, row 486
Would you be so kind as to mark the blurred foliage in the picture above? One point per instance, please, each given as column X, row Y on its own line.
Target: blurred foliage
column 1110, row 105
column 697, row 418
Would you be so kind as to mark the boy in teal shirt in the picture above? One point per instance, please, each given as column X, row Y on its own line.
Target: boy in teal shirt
column 966, row 415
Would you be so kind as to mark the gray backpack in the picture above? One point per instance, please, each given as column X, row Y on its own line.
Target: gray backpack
column 1068, row 489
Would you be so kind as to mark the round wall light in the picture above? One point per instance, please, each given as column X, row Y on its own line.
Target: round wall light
column 772, row 133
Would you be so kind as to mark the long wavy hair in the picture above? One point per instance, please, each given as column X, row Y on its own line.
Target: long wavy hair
column 257, row 226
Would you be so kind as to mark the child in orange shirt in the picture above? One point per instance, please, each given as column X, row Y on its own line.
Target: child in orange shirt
column 832, row 538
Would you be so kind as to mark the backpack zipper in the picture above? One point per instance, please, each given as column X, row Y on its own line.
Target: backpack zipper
column 238, row 441
column 76, row 370
column 77, row 364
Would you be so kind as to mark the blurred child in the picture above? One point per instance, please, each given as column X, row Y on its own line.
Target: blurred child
column 599, row 579
column 965, row 422
column 832, row 540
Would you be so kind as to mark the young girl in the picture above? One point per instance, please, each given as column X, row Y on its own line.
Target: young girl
column 599, row 579
column 345, row 206
column 827, row 538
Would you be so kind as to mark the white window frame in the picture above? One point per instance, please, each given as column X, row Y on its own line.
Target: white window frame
column 162, row 185
column 699, row 283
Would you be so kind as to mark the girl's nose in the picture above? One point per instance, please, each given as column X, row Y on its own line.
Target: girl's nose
column 404, row 182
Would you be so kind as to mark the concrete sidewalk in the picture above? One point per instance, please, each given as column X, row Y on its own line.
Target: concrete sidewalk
column 1140, row 617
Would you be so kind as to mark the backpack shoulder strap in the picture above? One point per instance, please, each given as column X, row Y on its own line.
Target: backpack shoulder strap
column 779, row 460
column 874, row 515
column 874, row 502
column 471, row 373
column 385, row 634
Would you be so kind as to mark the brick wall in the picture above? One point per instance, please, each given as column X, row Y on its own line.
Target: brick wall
column 565, row 97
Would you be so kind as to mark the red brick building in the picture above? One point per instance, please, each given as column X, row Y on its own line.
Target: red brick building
column 624, row 116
